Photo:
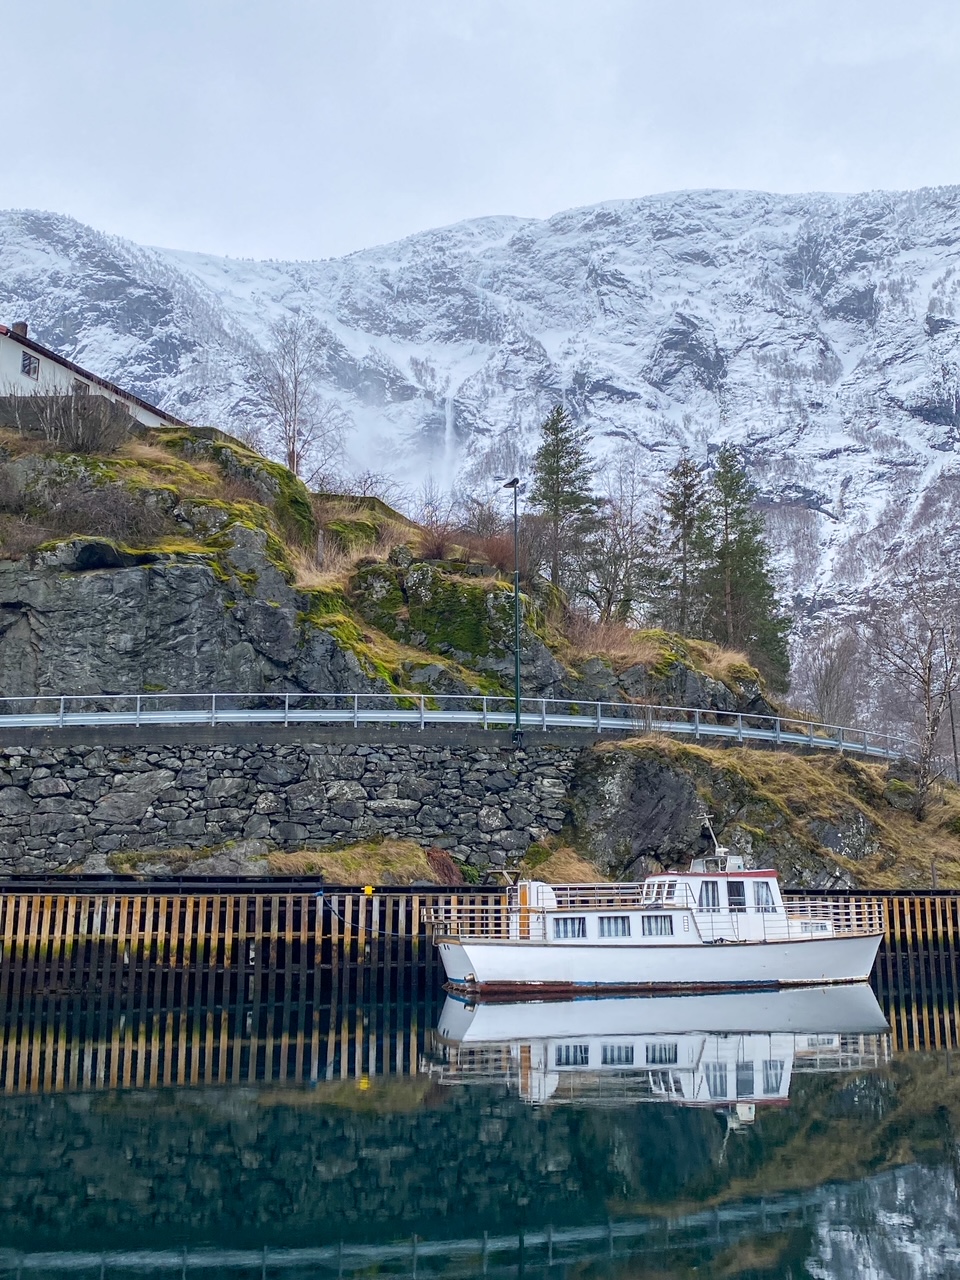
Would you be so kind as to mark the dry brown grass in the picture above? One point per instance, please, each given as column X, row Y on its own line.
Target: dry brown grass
column 619, row 643
column 386, row 862
column 561, row 865
column 726, row 665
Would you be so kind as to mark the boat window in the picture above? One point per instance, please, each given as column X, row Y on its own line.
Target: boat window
column 670, row 891
column 709, row 896
column 661, row 1055
column 744, row 1079
column 763, row 896
column 614, row 926
column 716, row 1075
column 570, row 927
column 736, row 895
column 616, row 1055
column 657, row 926
column 572, row 1055
column 772, row 1076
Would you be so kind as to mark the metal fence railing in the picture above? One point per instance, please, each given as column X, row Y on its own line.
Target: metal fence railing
column 497, row 713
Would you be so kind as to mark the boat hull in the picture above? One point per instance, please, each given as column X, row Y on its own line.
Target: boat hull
column 503, row 966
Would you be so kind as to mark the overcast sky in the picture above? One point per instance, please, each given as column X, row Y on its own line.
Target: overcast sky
column 308, row 128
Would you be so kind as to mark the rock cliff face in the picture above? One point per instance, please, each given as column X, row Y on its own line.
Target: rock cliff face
column 197, row 590
column 818, row 332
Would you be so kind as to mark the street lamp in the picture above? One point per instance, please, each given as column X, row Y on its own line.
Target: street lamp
column 514, row 484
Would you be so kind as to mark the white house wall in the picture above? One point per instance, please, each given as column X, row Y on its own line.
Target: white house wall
column 54, row 377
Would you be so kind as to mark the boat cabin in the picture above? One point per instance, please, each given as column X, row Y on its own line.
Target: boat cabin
column 718, row 899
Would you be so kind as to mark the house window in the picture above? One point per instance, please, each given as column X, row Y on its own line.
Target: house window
column 736, row 895
column 80, row 388
column 616, row 1055
column 744, row 1079
column 661, row 1055
column 614, row 926
column 657, row 926
column 29, row 365
column 572, row 1055
column 772, row 1076
column 716, row 1076
column 570, row 927
column 709, row 899
column 763, row 896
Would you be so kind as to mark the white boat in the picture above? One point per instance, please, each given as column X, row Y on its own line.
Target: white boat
column 714, row 927
column 731, row 1051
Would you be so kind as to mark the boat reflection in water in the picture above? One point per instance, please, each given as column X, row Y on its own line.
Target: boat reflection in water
column 732, row 1052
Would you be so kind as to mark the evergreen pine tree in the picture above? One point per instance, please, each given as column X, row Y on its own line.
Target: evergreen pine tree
column 742, row 609
column 687, row 512
column 561, row 493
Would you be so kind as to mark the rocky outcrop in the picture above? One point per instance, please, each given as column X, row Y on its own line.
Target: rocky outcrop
column 822, row 822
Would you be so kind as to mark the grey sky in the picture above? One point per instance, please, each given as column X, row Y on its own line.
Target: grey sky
column 306, row 128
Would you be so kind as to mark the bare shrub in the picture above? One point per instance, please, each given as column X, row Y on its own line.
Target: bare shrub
column 11, row 495
column 495, row 549
column 75, row 423
column 19, row 536
column 109, row 511
column 587, row 637
column 435, row 514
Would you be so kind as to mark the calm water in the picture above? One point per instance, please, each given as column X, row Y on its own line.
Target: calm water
column 347, row 1120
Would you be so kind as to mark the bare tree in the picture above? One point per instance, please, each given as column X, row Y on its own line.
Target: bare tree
column 832, row 666
column 305, row 428
column 914, row 636
column 616, row 566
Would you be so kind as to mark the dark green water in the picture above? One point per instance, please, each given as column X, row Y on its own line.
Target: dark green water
column 146, row 1130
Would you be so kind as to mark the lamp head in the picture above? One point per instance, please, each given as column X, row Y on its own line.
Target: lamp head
column 513, row 484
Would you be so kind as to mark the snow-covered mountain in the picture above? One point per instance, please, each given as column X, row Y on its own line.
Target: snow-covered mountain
column 821, row 333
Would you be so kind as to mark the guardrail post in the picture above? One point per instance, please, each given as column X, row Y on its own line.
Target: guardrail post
column 286, row 710
column 61, row 712
column 840, row 738
column 543, row 714
column 599, row 718
column 776, row 729
column 213, row 708
column 422, row 719
column 485, row 713
column 696, row 723
column 740, row 726
column 811, row 733
column 138, row 711
column 356, row 710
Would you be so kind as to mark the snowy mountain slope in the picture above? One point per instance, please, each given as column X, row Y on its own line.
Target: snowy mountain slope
column 819, row 332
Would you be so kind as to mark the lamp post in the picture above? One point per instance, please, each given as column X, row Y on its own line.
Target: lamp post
column 514, row 484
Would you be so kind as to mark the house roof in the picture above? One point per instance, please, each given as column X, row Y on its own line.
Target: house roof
column 91, row 377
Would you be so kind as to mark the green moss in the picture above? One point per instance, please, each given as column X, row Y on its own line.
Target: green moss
column 444, row 613
column 352, row 535
column 292, row 505
column 470, row 874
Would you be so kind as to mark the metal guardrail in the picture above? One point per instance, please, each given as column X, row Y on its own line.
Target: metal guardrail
column 357, row 709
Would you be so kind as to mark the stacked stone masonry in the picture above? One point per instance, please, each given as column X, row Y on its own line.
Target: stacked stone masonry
column 67, row 808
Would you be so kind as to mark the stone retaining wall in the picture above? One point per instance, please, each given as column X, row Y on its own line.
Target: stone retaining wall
column 70, row 807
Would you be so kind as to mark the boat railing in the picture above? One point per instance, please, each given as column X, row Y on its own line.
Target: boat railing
column 802, row 917
column 623, row 897
column 860, row 915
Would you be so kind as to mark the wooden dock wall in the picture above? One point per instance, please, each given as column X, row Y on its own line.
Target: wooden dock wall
column 146, row 986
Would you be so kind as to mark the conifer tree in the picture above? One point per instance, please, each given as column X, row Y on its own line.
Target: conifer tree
column 742, row 609
column 686, row 509
column 561, row 493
